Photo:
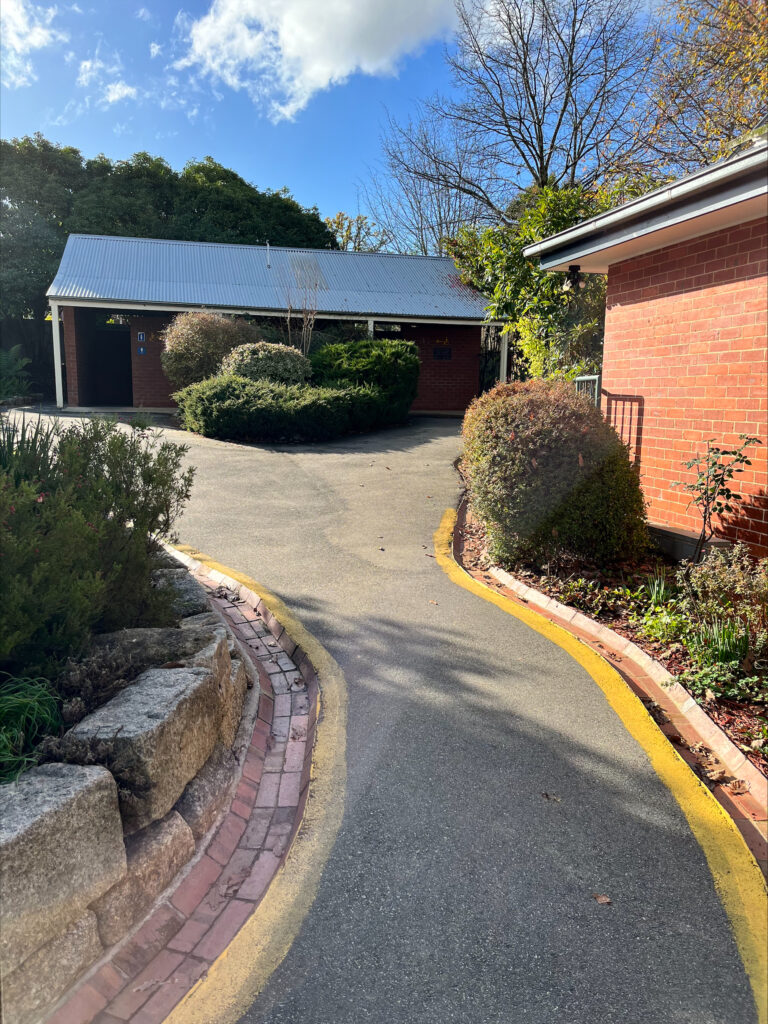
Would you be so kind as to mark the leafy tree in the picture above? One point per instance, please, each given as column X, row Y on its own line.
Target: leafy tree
column 554, row 330
column 48, row 191
column 711, row 80
column 357, row 234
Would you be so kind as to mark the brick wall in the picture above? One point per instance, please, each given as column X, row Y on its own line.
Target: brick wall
column 686, row 359
column 445, row 385
column 151, row 388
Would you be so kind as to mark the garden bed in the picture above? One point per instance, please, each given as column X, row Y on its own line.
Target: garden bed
column 606, row 595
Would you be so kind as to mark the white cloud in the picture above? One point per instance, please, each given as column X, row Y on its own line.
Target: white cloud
column 282, row 52
column 25, row 27
column 155, row 49
column 143, row 14
column 117, row 91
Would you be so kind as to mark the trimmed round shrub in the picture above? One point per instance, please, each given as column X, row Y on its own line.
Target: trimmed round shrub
column 261, row 360
column 392, row 365
column 547, row 475
column 239, row 409
column 196, row 343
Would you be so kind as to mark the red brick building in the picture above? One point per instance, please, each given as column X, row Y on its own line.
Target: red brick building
column 114, row 297
column 686, row 350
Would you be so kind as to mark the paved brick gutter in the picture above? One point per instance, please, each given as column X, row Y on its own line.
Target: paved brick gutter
column 145, row 976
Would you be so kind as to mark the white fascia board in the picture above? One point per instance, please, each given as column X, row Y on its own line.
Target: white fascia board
column 597, row 257
column 704, row 180
column 146, row 307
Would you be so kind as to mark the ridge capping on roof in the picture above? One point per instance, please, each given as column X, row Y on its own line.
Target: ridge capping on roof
column 728, row 192
column 260, row 247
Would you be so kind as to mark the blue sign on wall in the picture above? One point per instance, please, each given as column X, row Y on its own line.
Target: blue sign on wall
column 142, row 350
column 141, row 336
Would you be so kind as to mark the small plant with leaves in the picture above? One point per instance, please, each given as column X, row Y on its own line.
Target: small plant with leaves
column 29, row 711
column 711, row 491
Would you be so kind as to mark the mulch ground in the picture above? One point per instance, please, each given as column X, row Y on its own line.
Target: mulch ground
column 741, row 722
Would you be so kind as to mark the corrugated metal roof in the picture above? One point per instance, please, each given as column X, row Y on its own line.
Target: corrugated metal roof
column 244, row 277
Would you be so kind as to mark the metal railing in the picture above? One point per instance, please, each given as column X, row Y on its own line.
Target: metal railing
column 589, row 385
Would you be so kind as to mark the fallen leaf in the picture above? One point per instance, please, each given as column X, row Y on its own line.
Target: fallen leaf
column 737, row 786
column 600, row 898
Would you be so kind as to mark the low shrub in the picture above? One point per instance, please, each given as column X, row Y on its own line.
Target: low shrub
column 14, row 378
column 81, row 511
column 547, row 474
column 264, row 361
column 247, row 410
column 392, row 365
column 196, row 343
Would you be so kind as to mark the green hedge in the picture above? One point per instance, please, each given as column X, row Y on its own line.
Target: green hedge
column 238, row 409
column 547, row 475
column 389, row 364
column 357, row 387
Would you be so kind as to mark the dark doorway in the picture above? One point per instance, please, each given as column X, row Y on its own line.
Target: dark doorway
column 107, row 355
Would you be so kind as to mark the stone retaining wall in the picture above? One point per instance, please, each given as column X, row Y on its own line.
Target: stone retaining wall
column 89, row 842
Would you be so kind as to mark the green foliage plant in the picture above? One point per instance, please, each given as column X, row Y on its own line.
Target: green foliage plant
column 546, row 474
column 81, row 511
column 711, row 490
column 262, row 360
column 240, row 409
column 14, row 379
column 391, row 365
column 718, row 642
column 29, row 711
column 196, row 343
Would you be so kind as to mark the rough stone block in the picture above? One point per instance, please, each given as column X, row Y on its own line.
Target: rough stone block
column 61, row 847
column 155, row 856
column 190, row 598
column 232, row 703
column 206, row 795
column 114, row 660
column 154, row 737
column 34, row 987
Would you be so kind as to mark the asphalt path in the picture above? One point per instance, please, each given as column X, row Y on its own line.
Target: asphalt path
column 456, row 891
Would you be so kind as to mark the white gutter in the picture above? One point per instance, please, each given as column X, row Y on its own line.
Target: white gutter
column 719, row 173
column 146, row 307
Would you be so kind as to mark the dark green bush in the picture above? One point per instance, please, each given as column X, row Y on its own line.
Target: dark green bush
column 548, row 475
column 81, row 510
column 392, row 366
column 246, row 410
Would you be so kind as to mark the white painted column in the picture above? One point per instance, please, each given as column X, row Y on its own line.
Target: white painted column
column 504, row 358
column 370, row 328
column 56, row 330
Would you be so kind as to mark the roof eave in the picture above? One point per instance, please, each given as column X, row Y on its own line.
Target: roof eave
column 594, row 243
column 165, row 307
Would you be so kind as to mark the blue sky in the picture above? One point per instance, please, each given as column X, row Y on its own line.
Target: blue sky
column 286, row 92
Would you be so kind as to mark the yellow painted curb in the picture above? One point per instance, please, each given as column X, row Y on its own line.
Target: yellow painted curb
column 242, row 970
column 738, row 879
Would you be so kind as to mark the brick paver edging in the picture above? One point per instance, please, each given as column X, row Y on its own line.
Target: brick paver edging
column 145, row 976
column 686, row 719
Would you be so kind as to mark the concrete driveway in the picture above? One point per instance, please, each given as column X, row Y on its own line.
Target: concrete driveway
column 456, row 892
